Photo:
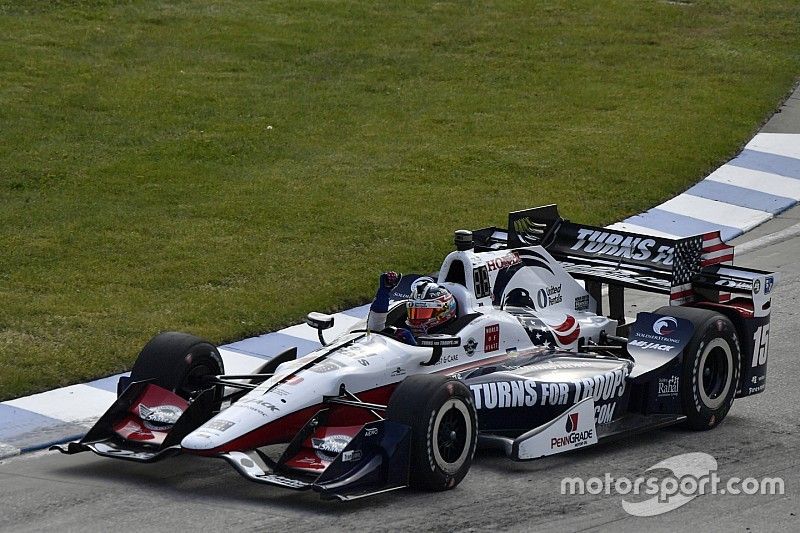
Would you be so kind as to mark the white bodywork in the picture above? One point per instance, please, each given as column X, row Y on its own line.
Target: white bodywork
column 363, row 361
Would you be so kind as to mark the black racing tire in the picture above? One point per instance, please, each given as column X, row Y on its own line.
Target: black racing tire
column 711, row 367
column 444, row 428
column 178, row 362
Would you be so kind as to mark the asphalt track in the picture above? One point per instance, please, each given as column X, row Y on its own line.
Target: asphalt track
column 760, row 437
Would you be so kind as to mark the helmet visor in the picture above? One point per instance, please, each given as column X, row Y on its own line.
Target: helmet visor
column 420, row 314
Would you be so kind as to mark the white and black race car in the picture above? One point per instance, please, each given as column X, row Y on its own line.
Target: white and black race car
column 531, row 365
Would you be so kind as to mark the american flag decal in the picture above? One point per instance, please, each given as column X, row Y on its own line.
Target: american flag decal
column 691, row 255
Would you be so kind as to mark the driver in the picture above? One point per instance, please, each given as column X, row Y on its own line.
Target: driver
column 430, row 307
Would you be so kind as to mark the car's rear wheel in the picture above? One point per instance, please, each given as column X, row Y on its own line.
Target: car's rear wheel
column 178, row 362
column 444, row 428
column 711, row 367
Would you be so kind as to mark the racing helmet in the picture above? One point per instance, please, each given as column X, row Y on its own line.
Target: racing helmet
column 430, row 306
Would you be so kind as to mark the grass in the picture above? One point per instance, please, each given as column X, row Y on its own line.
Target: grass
column 224, row 167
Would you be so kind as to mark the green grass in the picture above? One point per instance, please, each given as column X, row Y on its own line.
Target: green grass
column 224, row 167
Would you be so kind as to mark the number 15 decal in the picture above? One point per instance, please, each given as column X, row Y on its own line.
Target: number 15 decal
column 760, row 345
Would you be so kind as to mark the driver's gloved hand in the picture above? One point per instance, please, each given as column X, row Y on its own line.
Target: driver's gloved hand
column 389, row 280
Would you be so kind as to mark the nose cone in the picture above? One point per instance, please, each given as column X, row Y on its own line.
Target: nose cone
column 252, row 416
column 200, row 440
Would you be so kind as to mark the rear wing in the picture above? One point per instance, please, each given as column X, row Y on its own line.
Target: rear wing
column 688, row 269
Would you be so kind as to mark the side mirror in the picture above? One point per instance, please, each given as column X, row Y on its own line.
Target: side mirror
column 320, row 322
column 437, row 342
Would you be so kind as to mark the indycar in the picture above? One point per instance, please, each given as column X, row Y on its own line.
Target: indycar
column 532, row 365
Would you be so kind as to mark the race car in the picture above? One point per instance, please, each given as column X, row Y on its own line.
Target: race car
column 531, row 365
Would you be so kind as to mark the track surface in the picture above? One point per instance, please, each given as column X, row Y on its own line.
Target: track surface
column 760, row 437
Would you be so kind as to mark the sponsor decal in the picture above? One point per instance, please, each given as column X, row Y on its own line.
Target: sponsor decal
column 756, row 390
column 603, row 414
column 549, row 296
column 257, row 405
column 218, row 425
column 665, row 325
column 491, row 338
column 470, row 346
column 756, row 286
column 329, row 447
column 651, row 345
column 603, row 386
column 658, row 333
column 582, row 303
column 363, row 362
column 572, row 422
column 554, row 294
column 541, row 299
column 616, row 274
column 526, row 393
column 353, row 350
column 741, row 285
column 573, row 438
column 447, row 358
column 351, row 455
column 769, row 281
column 325, row 366
column 506, row 261
column 668, row 386
column 161, row 417
column 628, row 247
column 504, row 394
column 556, row 393
column 294, row 380
column 398, row 372
column 574, row 428
column 371, row 432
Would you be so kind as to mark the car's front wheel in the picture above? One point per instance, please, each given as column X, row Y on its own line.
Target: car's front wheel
column 178, row 362
column 444, row 428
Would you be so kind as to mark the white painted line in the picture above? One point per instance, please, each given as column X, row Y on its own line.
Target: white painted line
column 634, row 228
column 785, row 144
column 76, row 403
column 758, row 181
column 715, row 212
column 767, row 240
